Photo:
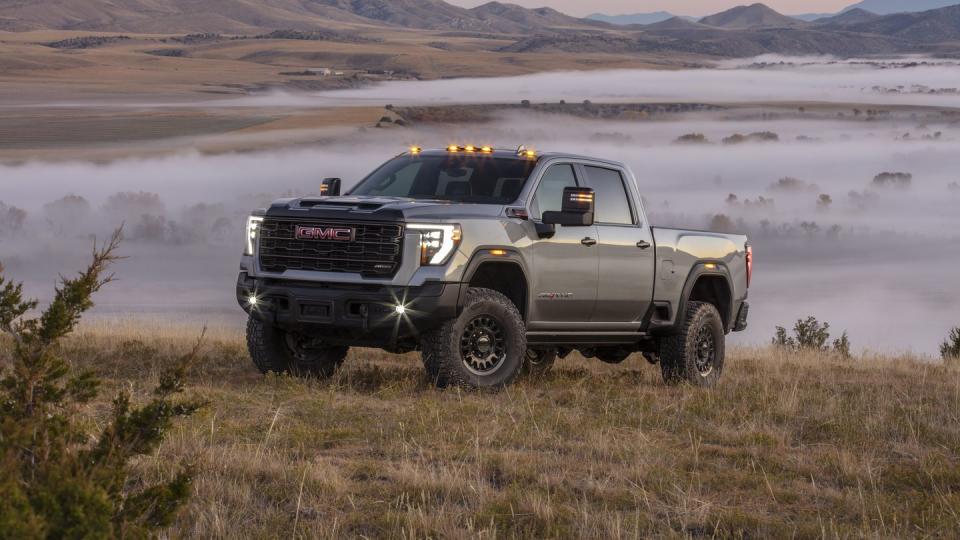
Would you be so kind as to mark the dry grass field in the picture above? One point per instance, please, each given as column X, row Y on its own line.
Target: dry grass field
column 787, row 446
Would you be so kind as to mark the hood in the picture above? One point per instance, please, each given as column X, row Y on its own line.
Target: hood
column 363, row 208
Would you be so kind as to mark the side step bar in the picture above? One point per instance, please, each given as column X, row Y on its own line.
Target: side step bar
column 591, row 338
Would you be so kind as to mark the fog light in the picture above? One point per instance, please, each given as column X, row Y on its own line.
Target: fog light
column 253, row 301
column 400, row 309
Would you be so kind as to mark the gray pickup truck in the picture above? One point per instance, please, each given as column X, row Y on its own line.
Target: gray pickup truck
column 492, row 264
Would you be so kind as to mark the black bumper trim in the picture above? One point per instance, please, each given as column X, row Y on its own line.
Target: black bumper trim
column 741, row 323
column 350, row 314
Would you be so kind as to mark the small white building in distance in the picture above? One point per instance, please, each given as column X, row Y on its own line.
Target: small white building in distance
column 320, row 71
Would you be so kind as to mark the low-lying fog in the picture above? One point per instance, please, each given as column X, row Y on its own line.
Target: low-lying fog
column 913, row 81
column 872, row 253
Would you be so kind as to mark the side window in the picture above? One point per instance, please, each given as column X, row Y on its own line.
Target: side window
column 549, row 195
column 613, row 199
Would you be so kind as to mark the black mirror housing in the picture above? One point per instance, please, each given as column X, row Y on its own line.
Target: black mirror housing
column 577, row 200
column 568, row 219
column 330, row 187
column 577, row 209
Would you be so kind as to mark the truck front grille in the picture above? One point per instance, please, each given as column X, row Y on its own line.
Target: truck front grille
column 375, row 251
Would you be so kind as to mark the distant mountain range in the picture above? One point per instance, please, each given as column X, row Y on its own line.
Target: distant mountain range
column 243, row 16
column 880, row 7
column 739, row 32
column 753, row 30
column 889, row 7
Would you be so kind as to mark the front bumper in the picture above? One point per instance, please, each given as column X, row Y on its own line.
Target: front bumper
column 347, row 313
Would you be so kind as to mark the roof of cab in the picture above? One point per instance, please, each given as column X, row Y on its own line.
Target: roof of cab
column 513, row 154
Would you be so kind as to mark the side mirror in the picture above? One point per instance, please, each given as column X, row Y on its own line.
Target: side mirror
column 330, row 187
column 577, row 209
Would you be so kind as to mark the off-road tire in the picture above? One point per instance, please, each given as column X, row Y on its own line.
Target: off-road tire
column 271, row 350
column 490, row 312
column 538, row 362
column 682, row 355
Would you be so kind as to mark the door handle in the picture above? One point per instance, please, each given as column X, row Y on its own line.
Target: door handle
column 589, row 241
column 643, row 244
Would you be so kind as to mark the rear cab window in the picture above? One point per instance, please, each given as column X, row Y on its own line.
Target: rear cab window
column 613, row 205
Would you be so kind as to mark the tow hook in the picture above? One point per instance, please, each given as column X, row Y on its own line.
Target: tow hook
column 365, row 315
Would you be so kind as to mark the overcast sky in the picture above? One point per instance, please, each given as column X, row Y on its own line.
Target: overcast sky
column 679, row 7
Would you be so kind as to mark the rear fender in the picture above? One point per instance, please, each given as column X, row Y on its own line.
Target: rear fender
column 699, row 270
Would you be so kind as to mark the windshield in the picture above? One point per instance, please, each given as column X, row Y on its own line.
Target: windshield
column 455, row 177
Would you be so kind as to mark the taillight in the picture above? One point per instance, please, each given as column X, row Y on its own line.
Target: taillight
column 749, row 264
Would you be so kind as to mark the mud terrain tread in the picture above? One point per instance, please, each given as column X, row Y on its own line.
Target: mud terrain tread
column 675, row 363
column 261, row 343
column 441, row 355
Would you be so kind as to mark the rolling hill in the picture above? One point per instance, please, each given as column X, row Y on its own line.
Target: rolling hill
column 752, row 16
column 520, row 19
column 854, row 16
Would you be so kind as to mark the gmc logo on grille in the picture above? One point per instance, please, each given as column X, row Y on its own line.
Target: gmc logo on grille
column 338, row 234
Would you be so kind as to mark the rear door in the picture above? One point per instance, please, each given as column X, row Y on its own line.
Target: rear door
column 627, row 259
column 565, row 267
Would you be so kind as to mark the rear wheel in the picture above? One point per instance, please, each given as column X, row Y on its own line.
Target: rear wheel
column 482, row 348
column 279, row 351
column 695, row 354
column 538, row 362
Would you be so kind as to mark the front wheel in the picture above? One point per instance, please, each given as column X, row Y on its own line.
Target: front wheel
column 279, row 351
column 696, row 353
column 484, row 347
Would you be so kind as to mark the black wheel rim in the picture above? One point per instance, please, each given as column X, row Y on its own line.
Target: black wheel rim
column 483, row 346
column 706, row 351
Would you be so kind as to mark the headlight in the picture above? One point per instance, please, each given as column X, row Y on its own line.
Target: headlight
column 253, row 229
column 437, row 242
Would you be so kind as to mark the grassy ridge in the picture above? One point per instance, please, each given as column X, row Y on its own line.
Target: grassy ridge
column 787, row 446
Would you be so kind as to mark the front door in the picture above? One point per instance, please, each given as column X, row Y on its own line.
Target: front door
column 565, row 267
column 625, row 249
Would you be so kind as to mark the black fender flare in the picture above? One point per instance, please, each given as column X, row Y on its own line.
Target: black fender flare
column 485, row 254
column 699, row 270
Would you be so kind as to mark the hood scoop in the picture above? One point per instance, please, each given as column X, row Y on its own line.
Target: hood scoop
column 340, row 204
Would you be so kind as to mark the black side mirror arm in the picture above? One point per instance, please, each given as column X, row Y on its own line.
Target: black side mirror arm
column 545, row 230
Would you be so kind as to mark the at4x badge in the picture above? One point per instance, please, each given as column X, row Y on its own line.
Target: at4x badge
column 555, row 295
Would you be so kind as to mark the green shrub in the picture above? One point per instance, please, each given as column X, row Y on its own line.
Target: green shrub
column 57, row 481
column 811, row 335
column 841, row 345
column 950, row 348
